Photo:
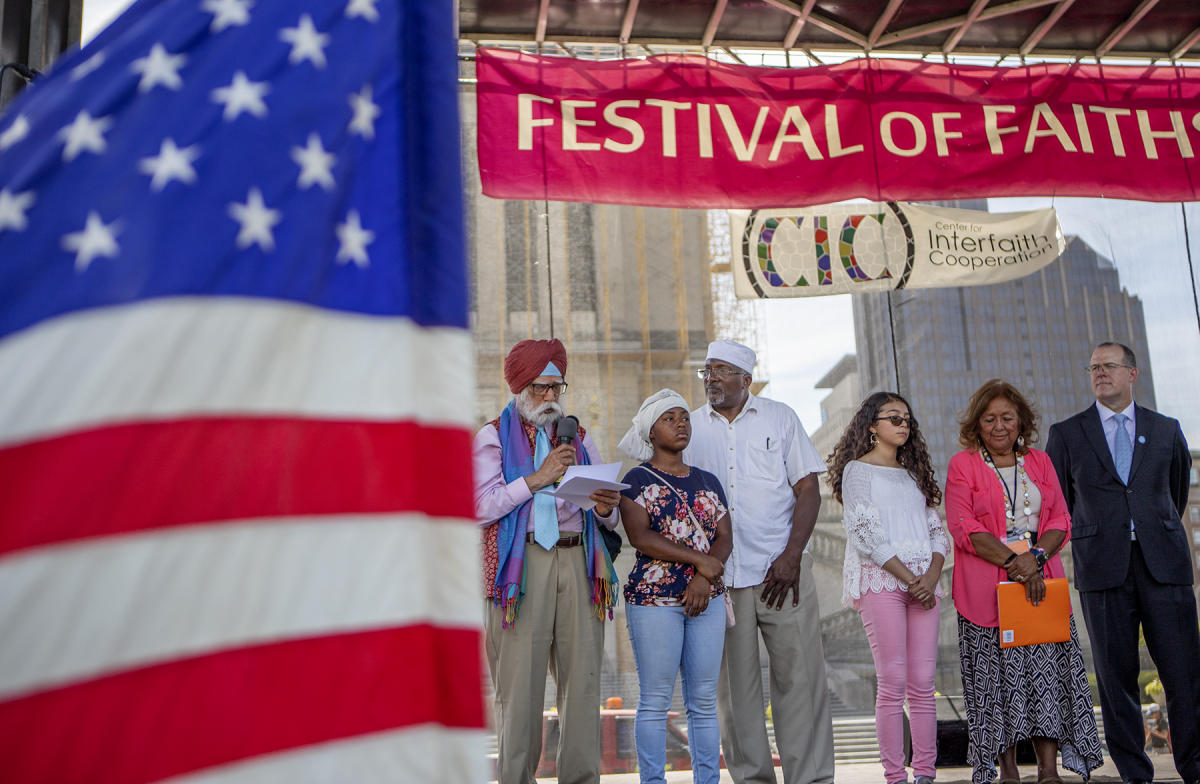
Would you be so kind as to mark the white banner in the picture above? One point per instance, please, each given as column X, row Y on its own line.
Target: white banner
column 878, row 246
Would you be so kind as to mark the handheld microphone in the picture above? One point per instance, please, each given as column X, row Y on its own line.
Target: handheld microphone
column 566, row 430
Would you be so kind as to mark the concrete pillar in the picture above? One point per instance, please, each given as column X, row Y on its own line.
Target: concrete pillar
column 33, row 33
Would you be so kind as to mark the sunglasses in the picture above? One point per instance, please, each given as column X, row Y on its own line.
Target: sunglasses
column 897, row 420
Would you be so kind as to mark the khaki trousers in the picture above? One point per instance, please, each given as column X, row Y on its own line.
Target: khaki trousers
column 799, row 694
column 556, row 630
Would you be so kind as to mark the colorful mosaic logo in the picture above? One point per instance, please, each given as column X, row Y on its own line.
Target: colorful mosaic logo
column 782, row 251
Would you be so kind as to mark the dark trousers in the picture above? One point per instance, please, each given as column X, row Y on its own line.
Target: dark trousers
column 1167, row 615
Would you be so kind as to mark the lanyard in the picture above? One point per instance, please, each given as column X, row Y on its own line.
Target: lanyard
column 1010, row 498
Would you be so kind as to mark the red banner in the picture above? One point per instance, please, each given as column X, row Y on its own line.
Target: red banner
column 685, row 131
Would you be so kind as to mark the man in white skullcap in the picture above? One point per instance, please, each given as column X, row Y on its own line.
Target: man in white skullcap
column 769, row 469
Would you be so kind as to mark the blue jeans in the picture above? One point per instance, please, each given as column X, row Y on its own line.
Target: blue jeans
column 666, row 642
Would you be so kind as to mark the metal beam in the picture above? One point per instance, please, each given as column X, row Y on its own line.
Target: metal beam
column 1187, row 43
column 539, row 34
column 936, row 26
column 798, row 23
column 631, row 9
column 883, row 21
column 972, row 13
column 823, row 22
column 793, row 33
column 1116, row 35
column 484, row 39
column 1044, row 27
column 714, row 21
column 734, row 55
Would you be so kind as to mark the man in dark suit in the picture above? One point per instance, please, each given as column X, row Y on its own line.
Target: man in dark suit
column 1124, row 472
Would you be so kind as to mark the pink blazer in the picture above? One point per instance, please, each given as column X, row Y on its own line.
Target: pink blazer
column 975, row 503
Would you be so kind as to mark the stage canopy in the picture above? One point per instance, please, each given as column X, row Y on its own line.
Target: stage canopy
column 1155, row 30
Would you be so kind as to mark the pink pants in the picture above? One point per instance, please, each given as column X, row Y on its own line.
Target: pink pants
column 903, row 638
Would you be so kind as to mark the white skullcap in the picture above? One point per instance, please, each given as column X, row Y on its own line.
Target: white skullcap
column 636, row 442
column 734, row 353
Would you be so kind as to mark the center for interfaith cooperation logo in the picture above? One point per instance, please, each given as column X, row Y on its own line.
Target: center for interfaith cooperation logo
column 839, row 250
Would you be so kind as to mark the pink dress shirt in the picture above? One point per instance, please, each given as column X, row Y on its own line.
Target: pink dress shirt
column 495, row 498
column 975, row 503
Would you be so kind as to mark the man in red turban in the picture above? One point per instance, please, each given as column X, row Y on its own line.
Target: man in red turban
column 528, row 359
column 548, row 578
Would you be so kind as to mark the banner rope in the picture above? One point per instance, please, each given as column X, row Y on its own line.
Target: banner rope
column 1187, row 246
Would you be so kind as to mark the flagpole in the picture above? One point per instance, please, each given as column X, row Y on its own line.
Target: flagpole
column 549, row 271
column 892, row 335
column 1187, row 245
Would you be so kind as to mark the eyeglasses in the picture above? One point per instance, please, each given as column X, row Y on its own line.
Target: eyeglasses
column 896, row 420
column 540, row 390
column 1107, row 367
column 707, row 373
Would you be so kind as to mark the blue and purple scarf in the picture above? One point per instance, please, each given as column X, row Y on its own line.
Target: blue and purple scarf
column 516, row 460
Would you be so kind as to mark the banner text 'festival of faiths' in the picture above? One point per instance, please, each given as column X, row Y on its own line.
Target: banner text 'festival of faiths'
column 688, row 132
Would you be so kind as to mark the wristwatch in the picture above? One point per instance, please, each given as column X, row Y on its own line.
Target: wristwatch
column 1040, row 555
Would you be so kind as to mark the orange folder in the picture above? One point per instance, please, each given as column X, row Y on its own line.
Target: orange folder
column 1023, row 624
column 1019, row 546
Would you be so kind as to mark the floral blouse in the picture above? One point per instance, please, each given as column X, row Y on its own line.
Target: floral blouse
column 662, row 583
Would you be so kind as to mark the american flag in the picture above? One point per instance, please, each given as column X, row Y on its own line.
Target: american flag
column 236, row 538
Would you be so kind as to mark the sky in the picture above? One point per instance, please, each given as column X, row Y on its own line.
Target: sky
column 98, row 13
column 1144, row 240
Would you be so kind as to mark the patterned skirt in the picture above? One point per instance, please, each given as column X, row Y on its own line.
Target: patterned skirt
column 1011, row 694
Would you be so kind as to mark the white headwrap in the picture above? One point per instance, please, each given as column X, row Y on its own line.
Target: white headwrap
column 734, row 353
column 636, row 442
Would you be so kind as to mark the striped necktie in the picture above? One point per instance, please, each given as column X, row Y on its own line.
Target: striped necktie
column 1122, row 448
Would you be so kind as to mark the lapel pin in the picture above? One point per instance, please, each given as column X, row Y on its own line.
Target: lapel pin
column 1141, row 439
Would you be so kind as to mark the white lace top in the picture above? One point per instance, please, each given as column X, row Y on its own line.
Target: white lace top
column 885, row 517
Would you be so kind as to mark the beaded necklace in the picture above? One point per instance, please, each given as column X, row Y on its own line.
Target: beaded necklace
column 1010, row 506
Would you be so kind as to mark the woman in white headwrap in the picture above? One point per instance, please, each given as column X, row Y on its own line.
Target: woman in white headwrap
column 676, row 520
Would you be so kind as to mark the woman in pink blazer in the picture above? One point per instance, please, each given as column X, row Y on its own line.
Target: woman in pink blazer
column 1008, row 519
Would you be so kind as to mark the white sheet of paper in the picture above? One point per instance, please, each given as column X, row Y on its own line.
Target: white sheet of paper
column 580, row 481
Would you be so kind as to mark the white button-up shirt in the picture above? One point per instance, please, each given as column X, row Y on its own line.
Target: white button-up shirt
column 758, row 457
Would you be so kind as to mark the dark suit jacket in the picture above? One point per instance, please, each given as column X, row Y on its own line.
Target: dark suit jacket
column 1101, row 505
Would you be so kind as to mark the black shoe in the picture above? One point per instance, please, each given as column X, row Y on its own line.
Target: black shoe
column 1136, row 781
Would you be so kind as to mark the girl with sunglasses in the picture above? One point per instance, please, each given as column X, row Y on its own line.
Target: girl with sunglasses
column 895, row 547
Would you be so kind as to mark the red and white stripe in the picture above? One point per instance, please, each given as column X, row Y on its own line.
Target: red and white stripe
column 236, row 544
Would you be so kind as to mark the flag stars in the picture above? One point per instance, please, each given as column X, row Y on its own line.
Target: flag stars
column 97, row 239
column 171, row 163
column 227, row 13
column 157, row 68
column 256, row 220
column 84, row 134
column 353, row 240
column 365, row 111
column 363, row 8
column 242, row 95
column 12, row 209
column 316, row 165
column 307, row 43
column 14, row 133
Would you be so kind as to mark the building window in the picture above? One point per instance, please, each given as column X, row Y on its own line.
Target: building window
column 518, row 243
column 581, row 266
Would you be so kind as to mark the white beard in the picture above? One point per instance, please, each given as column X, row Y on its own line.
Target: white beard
column 538, row 412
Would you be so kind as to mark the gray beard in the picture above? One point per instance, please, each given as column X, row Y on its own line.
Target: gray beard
column 536, row 412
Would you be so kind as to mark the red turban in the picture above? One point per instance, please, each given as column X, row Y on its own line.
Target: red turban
column 529, row 358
